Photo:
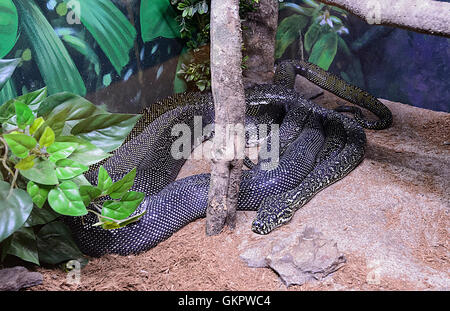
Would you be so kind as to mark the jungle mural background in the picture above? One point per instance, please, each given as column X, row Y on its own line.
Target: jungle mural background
column 125, row 54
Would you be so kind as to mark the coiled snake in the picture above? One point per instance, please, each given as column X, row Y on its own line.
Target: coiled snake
column 318, row 146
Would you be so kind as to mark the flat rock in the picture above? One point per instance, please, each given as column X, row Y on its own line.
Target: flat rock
column 305, row 87
column 297, row 258
column 13, row 279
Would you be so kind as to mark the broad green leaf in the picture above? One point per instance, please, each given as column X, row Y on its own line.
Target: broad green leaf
column 24, row 114
column 23, row 244
column 311, row 36
column 33, row 99
column 47, row 138
column 324, row 51
column 89, row 193
column 124, row 208
column 66, row 200
column 119, row 188
column 7, row 93
column 61, row 111
column 37, row 123
column 311, row 3
column 20, row 144
column 82, row 47
column 7, row 67
column 41, row 216
column 104, row 181
column 85, row 153
column 288, row 31
column 158, row 20
column 43, row 172
column 26, row 163
column 106, row 131
column 38, row 193
column 111, row 29
column 55, row 64
column 9, row 24
column 15, row 207
column 61, row 150
column 56, row 245
column 68, row 169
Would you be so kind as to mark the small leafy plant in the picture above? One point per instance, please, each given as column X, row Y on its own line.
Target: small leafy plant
column 320, row 28
column 46, row 144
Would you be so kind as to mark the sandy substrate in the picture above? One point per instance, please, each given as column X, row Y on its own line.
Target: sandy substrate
column 390, row 217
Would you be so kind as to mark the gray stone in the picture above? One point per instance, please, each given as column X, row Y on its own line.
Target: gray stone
column 296, row 257
column 307, row 88
column 13, row 279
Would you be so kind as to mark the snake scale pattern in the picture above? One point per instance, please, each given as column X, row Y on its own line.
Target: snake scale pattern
column 318, row 147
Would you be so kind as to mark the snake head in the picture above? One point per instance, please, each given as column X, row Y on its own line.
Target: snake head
column 272, row 213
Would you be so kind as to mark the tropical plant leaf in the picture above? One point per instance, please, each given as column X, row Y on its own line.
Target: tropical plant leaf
column 41, row 216
column 106, row 131
column 89, row 193
column 26, row 163
column 288, row 31
column 324, row 51
column 82, row 47
column 296, row 8
column 158, row 20
column 7, row 93
column 9, row 26
column 7, row 67
column 179, row 85
column 119, row 188
column 68, row 169
column 55, row 64
column 110, row 28
column 56, row 245
column 124, row 208
column 61, row 150
column 38, row 193
column 311, row 36
column 20, row 144
column 85, row 153
column 15, row 207
column 43, row 172
column 66, row 200
column 24, row 114
column 22, row 244
column 104, row 182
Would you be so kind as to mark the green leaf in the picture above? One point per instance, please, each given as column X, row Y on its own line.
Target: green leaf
column 37, row 123
column 324, row 51
column 41, row 216
column 23, row 244
column 111, row 29
column 119, row 188
column 106, row 131
column 296, row 8
column 24, row 115
column 43, row 172
column 104, row 181
column 55, row 64
column 288, row 31
column 66, row 200
column 85, row 153
column 26, row 164
column 110, row 225
column 7, row 93
column 124, row 208
column 20, row 144
column 62, row 111
column 56, row 245
column 38, row 193
column 15, row 207
column 311, row 36
column 47, row 138
column 61, row 150
column 179, row 84
column 9, row 25
column 82, row 47
column 68, row 169
column 89, row 193
column 33, row 99
column 7, row 67
column 158, row 20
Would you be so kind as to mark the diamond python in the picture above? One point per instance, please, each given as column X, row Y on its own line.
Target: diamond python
column 318, row 147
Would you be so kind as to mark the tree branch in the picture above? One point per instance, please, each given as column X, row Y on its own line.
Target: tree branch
column 427, row 16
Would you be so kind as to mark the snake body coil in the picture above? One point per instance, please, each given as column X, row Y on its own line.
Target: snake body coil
column 318, row 146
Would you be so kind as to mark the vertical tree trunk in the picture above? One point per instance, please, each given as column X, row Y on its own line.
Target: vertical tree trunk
column 259, row 32
column 229, row 99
